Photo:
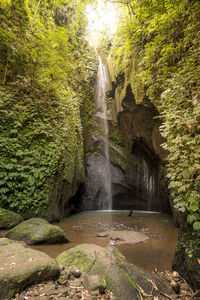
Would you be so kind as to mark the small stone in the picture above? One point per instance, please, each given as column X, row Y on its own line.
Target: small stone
column 76, row 273
column 130, row 213
column 102, row 234
column 79, row 295
column 112, row 243
column 114, row 238
column 175, row 274
column 175, row 286
column 61, row 268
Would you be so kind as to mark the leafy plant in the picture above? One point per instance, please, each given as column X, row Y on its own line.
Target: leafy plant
column 47, row 72
column 156, row 45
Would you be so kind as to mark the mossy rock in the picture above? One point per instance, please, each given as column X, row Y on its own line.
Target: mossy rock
column 37, row 231
column 122, row 278
column 9, row 219
column 21, row 267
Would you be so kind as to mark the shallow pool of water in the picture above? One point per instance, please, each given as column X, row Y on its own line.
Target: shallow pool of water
column 146, row 239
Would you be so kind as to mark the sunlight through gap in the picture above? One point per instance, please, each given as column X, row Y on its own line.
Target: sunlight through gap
column 101, row 20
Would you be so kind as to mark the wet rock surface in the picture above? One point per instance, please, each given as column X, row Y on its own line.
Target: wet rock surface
column 119, row 233
column 125, row 237
column 37, row 230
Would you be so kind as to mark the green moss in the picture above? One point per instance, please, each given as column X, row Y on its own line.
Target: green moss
column 130, row 280
column 77, row 258
column 118, row 255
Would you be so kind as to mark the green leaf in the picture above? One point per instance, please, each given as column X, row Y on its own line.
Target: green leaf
column 186, row 174
column 191, row 218
column 196, row 225
column 194, row 203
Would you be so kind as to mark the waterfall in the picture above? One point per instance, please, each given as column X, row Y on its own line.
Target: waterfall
column 148, row 184
column 102, row 116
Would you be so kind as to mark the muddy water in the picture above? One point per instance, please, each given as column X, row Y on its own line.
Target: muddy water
column 146, row 239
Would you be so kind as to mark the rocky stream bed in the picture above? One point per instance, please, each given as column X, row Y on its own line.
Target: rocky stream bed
column 86, row 271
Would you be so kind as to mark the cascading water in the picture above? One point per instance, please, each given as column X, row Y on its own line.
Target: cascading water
column 102, row 116
column 118, row 180
column 148, row 184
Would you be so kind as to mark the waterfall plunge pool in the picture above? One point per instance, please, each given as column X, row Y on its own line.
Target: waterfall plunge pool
column 147, row 240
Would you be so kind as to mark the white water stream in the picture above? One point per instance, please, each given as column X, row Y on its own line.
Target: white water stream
column 102, row 116
column 148, row 184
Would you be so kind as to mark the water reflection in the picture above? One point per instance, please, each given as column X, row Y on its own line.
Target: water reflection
column 155, row 252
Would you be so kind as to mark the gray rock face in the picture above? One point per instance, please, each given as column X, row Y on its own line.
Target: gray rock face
column 137, row 169
column 120, row 277
column 133, row 183
column 137, row 122
column 37, row 230
column 9, row 219
column 21, row 267
column 139, row 130
column 95, row 182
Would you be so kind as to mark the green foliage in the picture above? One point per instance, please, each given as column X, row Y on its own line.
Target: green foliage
column 115, row 137
column 159, row 40
column 46, row 73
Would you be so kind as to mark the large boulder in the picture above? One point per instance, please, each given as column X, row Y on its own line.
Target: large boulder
column 37, row 231
column 21, row 267
column 9, row 219
column 125, row 280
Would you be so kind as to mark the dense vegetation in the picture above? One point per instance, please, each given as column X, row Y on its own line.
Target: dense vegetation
column 47, row 76
column 46, row 72
column 157, row 45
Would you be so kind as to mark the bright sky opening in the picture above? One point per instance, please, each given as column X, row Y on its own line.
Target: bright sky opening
column 101, row 17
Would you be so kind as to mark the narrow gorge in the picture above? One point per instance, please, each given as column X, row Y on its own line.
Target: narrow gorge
column 99, row 136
